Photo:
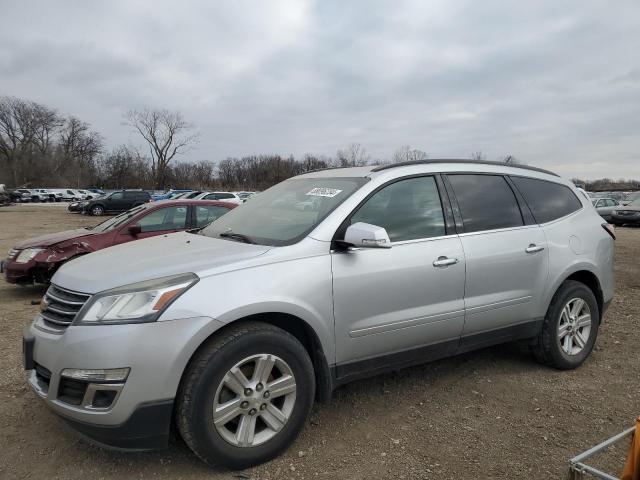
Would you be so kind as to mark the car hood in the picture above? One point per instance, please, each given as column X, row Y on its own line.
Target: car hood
column 628, row 207
column 151, row 258
column 53, row 238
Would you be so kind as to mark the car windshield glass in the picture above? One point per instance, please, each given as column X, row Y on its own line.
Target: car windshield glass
column 285, row 213
column 118, row 220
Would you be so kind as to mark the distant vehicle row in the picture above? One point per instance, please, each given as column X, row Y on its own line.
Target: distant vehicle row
column 123, row 200
column 35, row 195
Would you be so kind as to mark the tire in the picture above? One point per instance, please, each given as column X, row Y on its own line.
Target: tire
column 97, row 210
column 203, row 388
column 552, row 345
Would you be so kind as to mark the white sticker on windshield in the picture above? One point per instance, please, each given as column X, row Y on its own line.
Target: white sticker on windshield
column 324, row 192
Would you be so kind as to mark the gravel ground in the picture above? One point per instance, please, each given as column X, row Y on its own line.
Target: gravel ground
column 494, row 413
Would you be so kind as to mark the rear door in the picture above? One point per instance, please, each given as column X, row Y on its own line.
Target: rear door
column 506, row 257
column 406, row 300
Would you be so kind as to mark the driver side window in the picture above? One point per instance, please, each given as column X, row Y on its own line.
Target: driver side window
column 408, row 209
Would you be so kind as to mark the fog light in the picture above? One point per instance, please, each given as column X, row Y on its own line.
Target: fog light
column 97, row 375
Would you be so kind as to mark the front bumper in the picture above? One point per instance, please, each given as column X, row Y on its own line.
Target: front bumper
column 629, row 219
column 156, row 353
column 17, row 272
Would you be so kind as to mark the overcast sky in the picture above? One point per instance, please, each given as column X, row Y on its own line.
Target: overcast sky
column 557, row 84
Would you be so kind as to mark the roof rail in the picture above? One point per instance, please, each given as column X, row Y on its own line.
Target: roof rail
column 456, row 160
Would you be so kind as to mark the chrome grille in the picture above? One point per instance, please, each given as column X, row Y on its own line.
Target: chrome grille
column 60, row 306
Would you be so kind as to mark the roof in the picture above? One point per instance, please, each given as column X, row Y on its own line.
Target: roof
column 369, row 169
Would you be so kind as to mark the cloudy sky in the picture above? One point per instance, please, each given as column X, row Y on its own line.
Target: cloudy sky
column 557, row 84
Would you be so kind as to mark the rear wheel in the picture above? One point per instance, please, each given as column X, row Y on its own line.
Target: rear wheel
column 570, row 327
column 245, row 396
column 97, row 210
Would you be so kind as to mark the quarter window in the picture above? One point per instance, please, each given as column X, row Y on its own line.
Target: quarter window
column 486, row 202
column 408, row 209
column 547, row 200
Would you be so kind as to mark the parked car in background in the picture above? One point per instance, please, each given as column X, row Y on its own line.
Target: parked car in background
column 228, row 336
column 244, row 196
column 116, row 202
column 37, row 259
column 79, row 205
column 223, row 197
column 32, row 195
column 50, row 195
column 168, row 195
column 627, row 214
column 605, row 206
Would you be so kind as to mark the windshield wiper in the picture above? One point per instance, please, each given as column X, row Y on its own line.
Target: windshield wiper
column 236, row 236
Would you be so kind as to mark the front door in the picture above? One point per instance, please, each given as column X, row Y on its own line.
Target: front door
column 397, row 300
column 160, row 221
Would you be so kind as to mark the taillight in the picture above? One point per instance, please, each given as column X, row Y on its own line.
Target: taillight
column 610, row 229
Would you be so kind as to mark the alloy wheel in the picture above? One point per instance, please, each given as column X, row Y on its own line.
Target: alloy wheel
column 574, row 327
column 254, row 401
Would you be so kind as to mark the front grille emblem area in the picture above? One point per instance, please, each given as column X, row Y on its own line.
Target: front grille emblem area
column 59, row 307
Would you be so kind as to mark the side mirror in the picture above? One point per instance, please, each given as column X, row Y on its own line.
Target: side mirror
column 365, row 235
column 134, row 230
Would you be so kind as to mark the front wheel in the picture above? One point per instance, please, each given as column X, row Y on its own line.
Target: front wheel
column 97, row 210
column 570, row 327
column 246, row 396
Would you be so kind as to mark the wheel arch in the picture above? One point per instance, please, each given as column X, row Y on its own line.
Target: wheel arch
column 586, row 275
column 590, row 279
column 295, row 326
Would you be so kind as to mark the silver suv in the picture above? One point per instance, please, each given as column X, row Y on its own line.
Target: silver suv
column 232, row 332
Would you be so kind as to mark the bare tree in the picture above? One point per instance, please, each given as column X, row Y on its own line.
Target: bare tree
column 25, row 129
column 478, row 156
column 354, row 155
column 167, row 134
column 510, row 160
column 408, row 154
column 79, row 148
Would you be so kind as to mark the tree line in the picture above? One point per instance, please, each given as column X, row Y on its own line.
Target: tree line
column 39, row 147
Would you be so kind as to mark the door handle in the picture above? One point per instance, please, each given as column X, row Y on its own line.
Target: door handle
column 533, row 248
column 444, row 262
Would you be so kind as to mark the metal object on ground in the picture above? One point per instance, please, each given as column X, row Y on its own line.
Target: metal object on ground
column 578, row 470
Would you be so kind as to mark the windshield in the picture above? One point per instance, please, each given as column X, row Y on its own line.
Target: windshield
column 118, row 220
column 634, row 203
column 285, row 213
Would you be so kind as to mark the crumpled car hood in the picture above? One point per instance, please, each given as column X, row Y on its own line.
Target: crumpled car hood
column 53, row 238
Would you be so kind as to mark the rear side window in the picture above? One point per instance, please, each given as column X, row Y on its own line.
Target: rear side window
column 547, row 200
column 207, row 214
column 486, row 202
column 169, row 218
column 222, row 196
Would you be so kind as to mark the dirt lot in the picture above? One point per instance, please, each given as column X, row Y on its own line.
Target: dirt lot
column 488, row 414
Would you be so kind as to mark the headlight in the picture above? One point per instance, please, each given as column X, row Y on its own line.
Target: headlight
column 27, row 254
column 135, row 303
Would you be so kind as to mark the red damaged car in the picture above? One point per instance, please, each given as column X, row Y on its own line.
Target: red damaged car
column 36, row 259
